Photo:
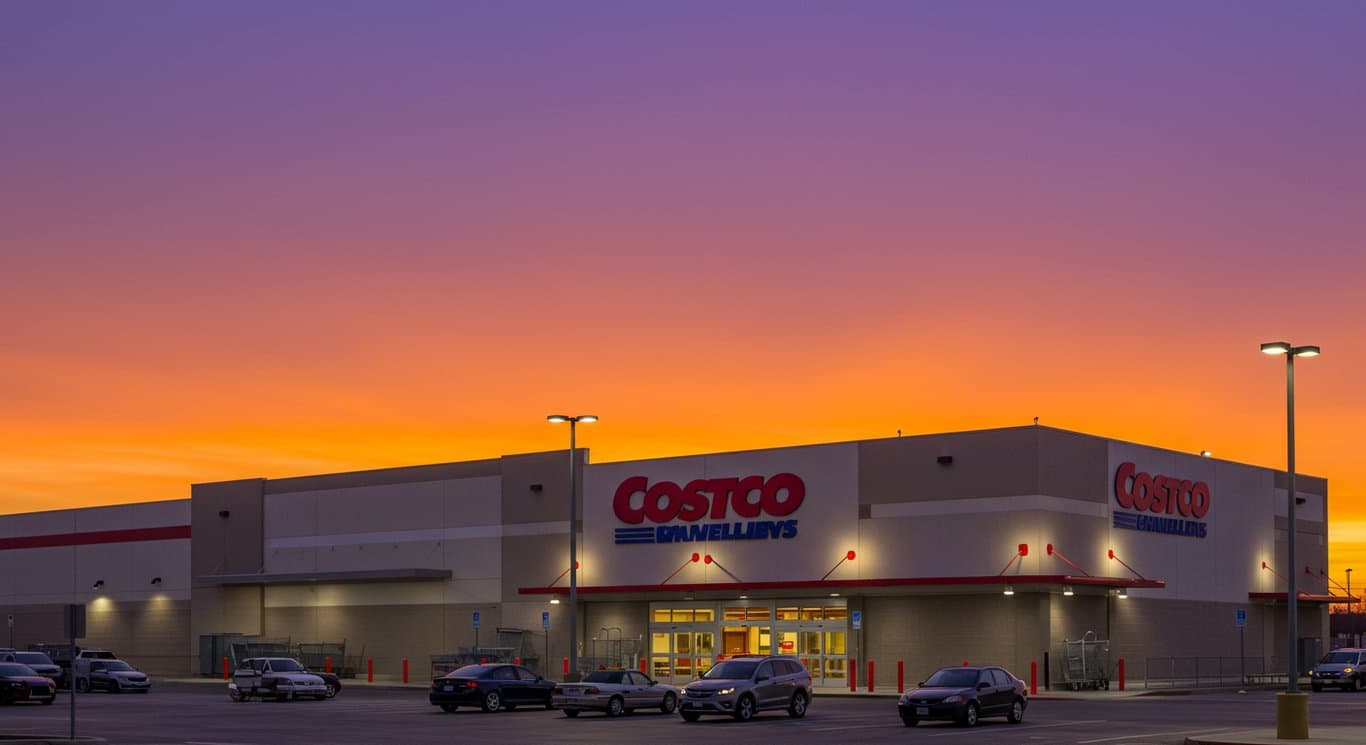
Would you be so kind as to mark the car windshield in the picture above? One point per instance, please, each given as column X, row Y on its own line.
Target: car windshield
column 603, row 676
column 731, row 670
column 471, row 671
column 116, row 665
column 14, row 668
column 953, row 677
column 1339, row 658
column 32, row 658
column 286, row 666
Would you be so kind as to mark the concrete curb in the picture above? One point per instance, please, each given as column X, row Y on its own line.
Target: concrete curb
column 1318, row 735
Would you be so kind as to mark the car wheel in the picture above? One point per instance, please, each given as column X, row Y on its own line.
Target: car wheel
column 1316, row 687
column 83, row 685
column 571, row 713
column 615, row 706
column 234, row 694
column 114, row 687
column 910, row 721
column 744, row 708
column 1016, row 713
column 797, row 709
column 492, row 701
column 448, row 708
column 331, row 690
column 1356, row 684
column 690, row 716
column 49, row 701
column 670, row 703
column 969, row 715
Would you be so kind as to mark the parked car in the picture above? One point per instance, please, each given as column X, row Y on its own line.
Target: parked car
column 114, row 676
column 40, row 663
column 615, row 692
column 745, row 685
column 18, row 682
column 491, row 687
column 279, row 678
column 61, row 656
column 1340, row 668
column 964, row 695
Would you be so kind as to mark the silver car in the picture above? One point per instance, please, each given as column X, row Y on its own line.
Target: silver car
column 744, row 685
column 616, row 692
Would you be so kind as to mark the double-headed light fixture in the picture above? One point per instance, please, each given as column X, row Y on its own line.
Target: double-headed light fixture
column 573, row 535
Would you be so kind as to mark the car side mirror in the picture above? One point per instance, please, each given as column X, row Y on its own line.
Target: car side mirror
column 921, row 684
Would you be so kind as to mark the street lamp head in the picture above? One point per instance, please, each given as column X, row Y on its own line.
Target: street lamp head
column 1307, row 350
column 562, row 418
column 1276, row 347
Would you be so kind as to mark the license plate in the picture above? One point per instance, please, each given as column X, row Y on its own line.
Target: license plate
column 922, row 711
column 448, row 688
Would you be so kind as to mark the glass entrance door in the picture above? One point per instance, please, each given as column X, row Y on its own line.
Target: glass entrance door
column 818, row 636
column 682, row 643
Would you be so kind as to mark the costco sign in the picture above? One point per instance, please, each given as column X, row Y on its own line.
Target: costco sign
column 1160, row 504
column 672, row 513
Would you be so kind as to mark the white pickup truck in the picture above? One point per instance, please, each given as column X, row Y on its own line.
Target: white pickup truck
column 280, row 678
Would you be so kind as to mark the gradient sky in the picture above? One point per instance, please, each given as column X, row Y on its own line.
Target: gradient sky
column 245, row 239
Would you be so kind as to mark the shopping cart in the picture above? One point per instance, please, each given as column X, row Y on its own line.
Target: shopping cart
column 1086, row 662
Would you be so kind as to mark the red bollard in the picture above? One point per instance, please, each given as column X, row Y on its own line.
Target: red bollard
column 965, row 663
column 327, row 664
column 870, row 676
column 225, row 668
column 1033, row 678
column 483, row 660
column 1121, row 673
column 516, row 660
column 405, row 669
column 900, row 677
column 642, row 665
column 369, row 669
column 566, row 666
column 853, row 675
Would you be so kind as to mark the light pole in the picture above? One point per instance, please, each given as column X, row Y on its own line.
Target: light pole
column 573, row 538
column 1292, row 709
column 1351, row 628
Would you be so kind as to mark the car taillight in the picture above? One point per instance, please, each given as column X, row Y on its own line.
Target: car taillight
column 433, row 685
column 471, row 684
column 558, row 690
column 591, row 690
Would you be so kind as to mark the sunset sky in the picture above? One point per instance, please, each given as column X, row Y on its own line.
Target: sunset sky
column 245, row 239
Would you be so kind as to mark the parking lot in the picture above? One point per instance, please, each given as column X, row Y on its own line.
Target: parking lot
column 200, row 713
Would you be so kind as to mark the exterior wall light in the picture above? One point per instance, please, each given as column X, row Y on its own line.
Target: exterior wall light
column 1122, row 594
column 1067, row 590
column 98, row 584
column 156, row 580
column 1010, row 590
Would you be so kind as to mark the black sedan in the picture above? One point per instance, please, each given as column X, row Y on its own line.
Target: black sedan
column 18, row 682
column 491, row 687
column 965, row 694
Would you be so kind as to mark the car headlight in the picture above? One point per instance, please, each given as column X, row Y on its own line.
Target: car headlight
column 726, row 691
column 954, row 699
column 1347, row 669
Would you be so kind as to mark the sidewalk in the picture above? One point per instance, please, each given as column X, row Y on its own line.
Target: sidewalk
column 1317, row 736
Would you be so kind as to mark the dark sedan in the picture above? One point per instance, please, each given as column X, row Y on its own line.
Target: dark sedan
column 491, row 687
column 38, row 662
column 19, row 683
column 965, row 694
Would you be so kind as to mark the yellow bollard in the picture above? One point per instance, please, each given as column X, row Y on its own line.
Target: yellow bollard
column 1292, row 716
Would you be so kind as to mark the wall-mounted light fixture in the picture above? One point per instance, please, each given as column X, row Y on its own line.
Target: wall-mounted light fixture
column 98, row 584
column 1122, row 594
column 1067, row 590
column 223, row 513
column 537, row 488
column 156, row 580
column 554, row 601
column 944, row 460
column 1205, row 453
column 1010, row 590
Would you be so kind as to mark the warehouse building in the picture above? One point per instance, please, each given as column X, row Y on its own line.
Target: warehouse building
column 993, row 546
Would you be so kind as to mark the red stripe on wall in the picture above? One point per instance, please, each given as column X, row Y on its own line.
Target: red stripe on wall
column 134, row 535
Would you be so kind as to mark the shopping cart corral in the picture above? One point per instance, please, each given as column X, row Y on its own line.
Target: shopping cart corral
column 1086, row 662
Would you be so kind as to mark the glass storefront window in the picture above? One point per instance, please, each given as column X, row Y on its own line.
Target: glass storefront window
column 683, row 643
column 810, row 613
column 787, row 613
column 706, row 643
column 834, row 642
column 836, row 613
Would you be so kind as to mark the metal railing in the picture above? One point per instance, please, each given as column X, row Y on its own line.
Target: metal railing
column 1210, row 672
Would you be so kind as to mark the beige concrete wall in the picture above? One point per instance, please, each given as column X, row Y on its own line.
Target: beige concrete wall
column 933, row 631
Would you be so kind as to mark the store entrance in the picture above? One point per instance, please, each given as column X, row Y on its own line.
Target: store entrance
column 687, row 638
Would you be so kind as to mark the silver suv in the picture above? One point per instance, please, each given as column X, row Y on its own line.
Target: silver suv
column 744, row 685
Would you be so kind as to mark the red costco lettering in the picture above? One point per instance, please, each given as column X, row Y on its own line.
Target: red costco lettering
column 1144, row 492
column 637, row 500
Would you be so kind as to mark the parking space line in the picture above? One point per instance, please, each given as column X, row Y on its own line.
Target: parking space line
column 1161, row 734
column 974, row 731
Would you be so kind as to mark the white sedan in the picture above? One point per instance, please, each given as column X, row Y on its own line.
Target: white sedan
column 616, row 692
